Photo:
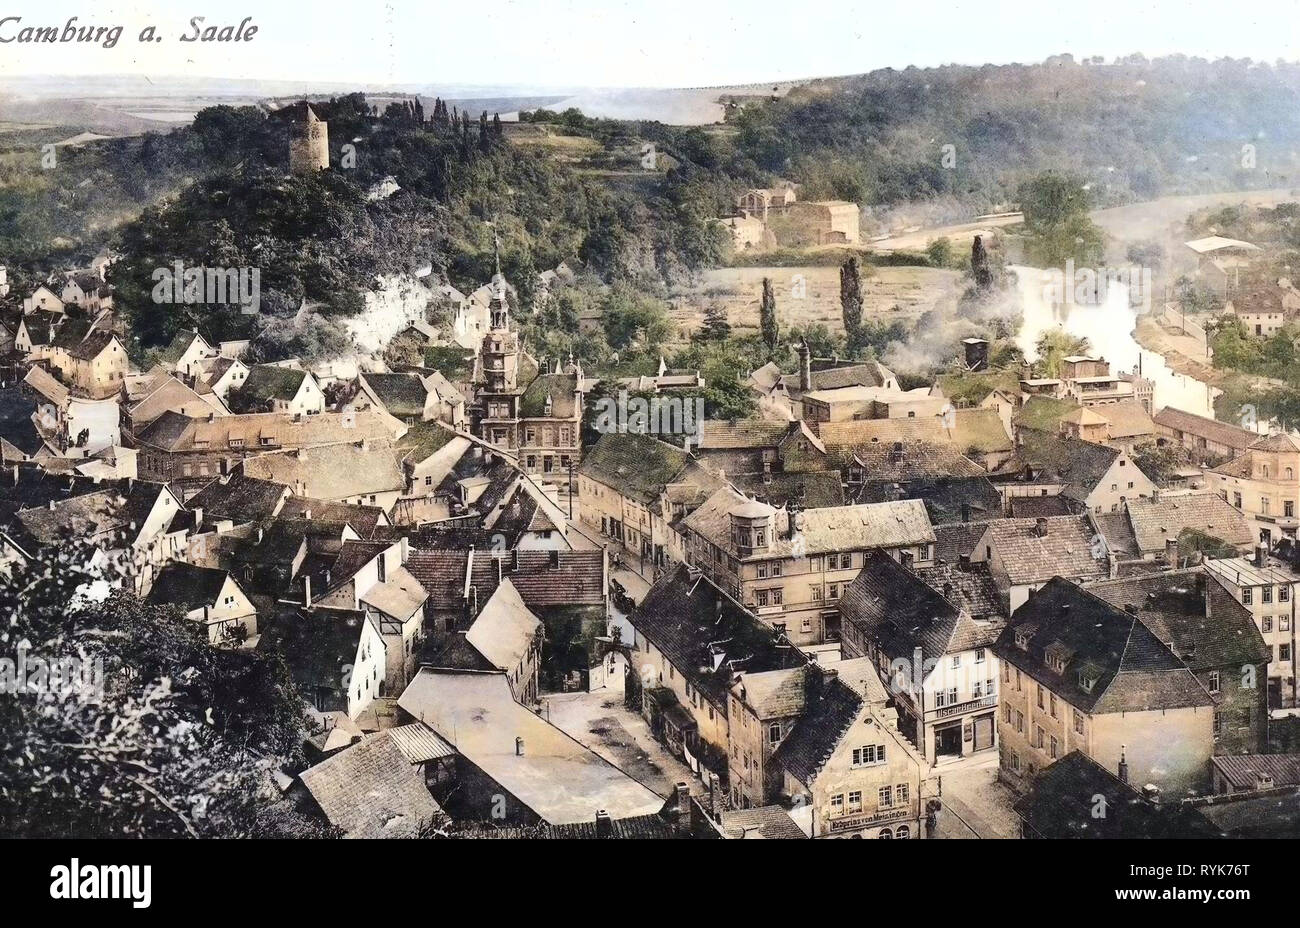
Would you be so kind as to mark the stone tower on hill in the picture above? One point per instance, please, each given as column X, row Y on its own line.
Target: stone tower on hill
column 309, row 144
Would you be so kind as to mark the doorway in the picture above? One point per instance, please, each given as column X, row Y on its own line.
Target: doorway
column 947, row 741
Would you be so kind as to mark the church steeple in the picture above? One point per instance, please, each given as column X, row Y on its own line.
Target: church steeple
column 498, row 306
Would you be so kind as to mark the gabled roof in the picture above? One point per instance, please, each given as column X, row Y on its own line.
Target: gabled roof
column 823, row 725
column 542, row 579
column 889, row 604
column 267, row 382
column 402, row 395
column 1155, row 521
column 1133, row 670
column 562, row 390
column 1222, row 433
column 16, row 424
column 636, row 466
column 1062, row 802
column 504, row 629
column 187, row 586
column 1066, row 549
column 1173, row 604
column 44, row 383
column 240, row 498
column 1078, row 465
column 706, row 635
column 363, row 519
column 371, row 790
column 179, row 344
column 332, row 471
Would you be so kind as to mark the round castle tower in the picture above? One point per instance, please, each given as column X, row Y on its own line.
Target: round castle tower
column 309, row 145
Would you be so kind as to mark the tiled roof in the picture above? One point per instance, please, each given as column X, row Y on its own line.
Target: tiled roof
column 680, row 616
column 816, row 489
column 902, row 523
column 402, row 394
column 240, row 499
column 1067, row 549
column 363, row 519
column 1127, row 418
column 636, row 466
column 332, row 471
column 371, row 790
column 504, row 629
column 187, row 585
column 906, row 460
column 561, row 388
column 271, row 382
column 1173, row 605
column 974, row 431
column 774, row 694
column 889, row 604
column 420, row 743
column 1118, row 532
column 253, row 431
column 1223, row 433
column 1244, row 770
column 760, row 822
column 16, row 424
column 971, row 587
column 742, row 433
column 1033, row 507
column 1062, row 803
column 577, row 579
column 821, row 728
column 946, row 498
column 1078, row 465
column 1155, row 521
column 1133, row 670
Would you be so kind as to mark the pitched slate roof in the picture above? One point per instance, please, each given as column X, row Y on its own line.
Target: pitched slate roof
column 269, row 382
column 946, row 498
column 363, row 519
column 761, row 822
column 402, row 394
column 821, row 728
column 1078, row 465
column 561, row 388
column 1173, row 605
column 16, row 424
column 240, row 499
column 1033, row 507
column 1067, row 549
column 187, row 585
column 1243, row 770
column 1062, row 803
column 973, row 431
column 889, row 604
column 969, row 587
column 697, row 627
column 636, row 466
column 371, row 790
column 174, row 432
column 741, row 433
column 1134, row 670
column 577, row 579
column 816, row 489
column 1156, row 520
column 907, row 460
column 504, row 629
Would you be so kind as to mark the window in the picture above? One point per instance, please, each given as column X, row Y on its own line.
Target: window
column 904, row 832
column 886, row 796
column 956, row 661
column 1055, row 747
column 806, row 626
column 1214, row 681
column 990, row 686
column 1284, row 652
column 1266, row 623
column 1283, row 593
column 979, row 655
column 1052, row 697
column 1006, row 713
column 776, row 569
column 901, row 793
column 816, row 592
column 1266, row 594
column 1015, row 762
column 1247, row 595
column 762, row 571
column 1218, row 723
column 762, row 597
column 833, row 591
column 1078, row 721
column 1284, row 623
column 776, row 597
column 868, row 755
column 855, row 801
column 1040, row 695
column 814, row 564
column 885, row 835
column 846, row 560
column 837, row 804
column 774, row 733
column 977, row 690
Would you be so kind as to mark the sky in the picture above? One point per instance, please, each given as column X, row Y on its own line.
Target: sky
column 525, row 44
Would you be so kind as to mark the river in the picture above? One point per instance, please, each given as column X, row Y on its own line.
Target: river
column 1108, row 327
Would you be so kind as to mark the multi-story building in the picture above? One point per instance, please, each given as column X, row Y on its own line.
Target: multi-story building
column 1204, row 624
column 935, row 657
column 1080, row 674
column 848, row 772
column 534, row 417
column 791, row 565
column 1264, row 483
column 1024, row 554
column 1267, row 587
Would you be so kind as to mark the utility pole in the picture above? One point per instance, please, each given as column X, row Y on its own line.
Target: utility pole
column 570, row 489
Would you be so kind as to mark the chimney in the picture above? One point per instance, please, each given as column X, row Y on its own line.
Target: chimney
column 1151, row 793
column 1123, row 766
column 1040, row 527
column 604, row 824
column 1261, row 555
column 51, row 505
column 519, row 747
column 1171, row 552
column 259, row 534
column 306, row 590
column 555, row 561
column 198, row 517
column 805, row 365
column 682, row 795
column 716, row 798
column 405, row 548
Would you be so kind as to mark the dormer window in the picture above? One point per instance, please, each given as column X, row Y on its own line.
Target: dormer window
column 1088, row 677
column 1022, row 639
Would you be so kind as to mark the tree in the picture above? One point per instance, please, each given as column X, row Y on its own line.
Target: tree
column 1057, row 223
column 851, row 300
column 979, row 265
column 1054, row 345
column 939, row 252
column 161, row 735
column 767, row 316
column 715, row 327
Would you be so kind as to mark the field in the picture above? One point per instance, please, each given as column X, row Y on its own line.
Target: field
column 890, row 293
